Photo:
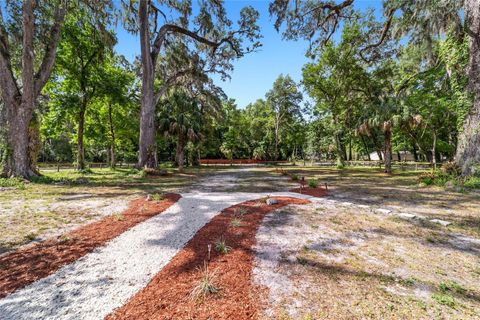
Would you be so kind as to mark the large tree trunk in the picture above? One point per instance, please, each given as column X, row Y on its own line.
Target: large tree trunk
column 468, row 147
column 20, row 112
column 20, row 104
column 366, row 147
column 17, row 160
column 112, row 157
column 415, row 154
column 180, row 152
column 80, row 132
column 277, row 129
column 387, row 131
column 146, row 156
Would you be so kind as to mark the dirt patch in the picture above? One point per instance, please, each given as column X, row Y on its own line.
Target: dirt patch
column 314, row 192
column 327, row 260
column 24, row 266
column 169, row 294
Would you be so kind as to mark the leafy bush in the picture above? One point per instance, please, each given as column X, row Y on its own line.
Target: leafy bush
column 294, row 177
column 427, row 178
column 157, row 197
column 313, row 183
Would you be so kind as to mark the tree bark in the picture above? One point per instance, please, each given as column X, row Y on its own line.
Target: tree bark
column 180, row 152
column 80, row 132
column 387, row 131
column 278, row 117
column 146, row 156
column 366, row 147
column 415, row 154
column 468, row 147
column 113, row 161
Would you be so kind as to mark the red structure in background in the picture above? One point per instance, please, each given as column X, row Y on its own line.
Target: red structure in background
column 237, row 161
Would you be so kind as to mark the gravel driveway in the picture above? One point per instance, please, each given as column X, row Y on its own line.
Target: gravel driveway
column 96, row 284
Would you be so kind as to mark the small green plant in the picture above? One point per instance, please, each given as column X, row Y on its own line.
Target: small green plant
column 222, row 247
column 157, row 197
column 295, row 177
column 236, row 222
column 444, row 299
column 408, row 281
column 313, row 183
column 451, row 286
column 207, row 284
column 12, row 183
column 472, row 182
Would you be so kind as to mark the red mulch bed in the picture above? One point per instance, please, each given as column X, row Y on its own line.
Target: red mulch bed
column 314, row 192
column 24, row 266
column 168, row 295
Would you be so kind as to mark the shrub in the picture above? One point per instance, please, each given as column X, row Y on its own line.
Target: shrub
column 222, row 247
column 157, row 197
column 472, row 182
column 450, row 168
column 427, row 178
column 294, row 177
column 313, row 183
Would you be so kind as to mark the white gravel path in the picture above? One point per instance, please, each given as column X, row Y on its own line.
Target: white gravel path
column 105, row 279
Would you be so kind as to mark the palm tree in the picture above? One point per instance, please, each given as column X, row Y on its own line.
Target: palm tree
column 182, row 118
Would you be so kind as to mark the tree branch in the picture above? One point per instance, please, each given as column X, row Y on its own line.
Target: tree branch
column 171, row 81
column 48, row 61
column 383, row 36
column 7, row 79
column 166, row 28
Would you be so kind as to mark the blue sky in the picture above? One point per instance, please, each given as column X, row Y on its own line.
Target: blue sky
column 255, row 73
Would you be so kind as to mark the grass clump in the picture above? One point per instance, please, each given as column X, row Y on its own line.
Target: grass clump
column 295, row 177
column 207, row 284
column 236, row 222
column 222, row 247
column 313, row 183
column 240, row 211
